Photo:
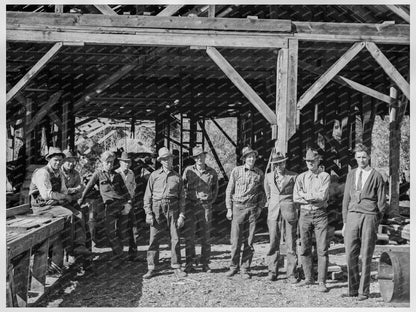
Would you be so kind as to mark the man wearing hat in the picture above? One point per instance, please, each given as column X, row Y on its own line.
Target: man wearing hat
column 127, row 222
column 311, row 192
column 282, row 215
column 244, row 199
column 201, row 190
column 71, row 175
column 49, row 196
column 115, row 196
column 164, row 205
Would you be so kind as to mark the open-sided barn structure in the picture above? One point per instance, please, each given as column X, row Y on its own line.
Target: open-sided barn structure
column 291, row 74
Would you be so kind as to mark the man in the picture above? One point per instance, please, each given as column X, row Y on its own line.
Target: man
column 201, row 190
column 49, row 196
column 244, row 200
column 115, row 198
column 164, row 204
column 128, row 218
column 282, row 214
column 311, row 192
column 71, row 176
column 363, row 207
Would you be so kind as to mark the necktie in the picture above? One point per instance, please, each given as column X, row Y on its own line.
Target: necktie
column 360, row 181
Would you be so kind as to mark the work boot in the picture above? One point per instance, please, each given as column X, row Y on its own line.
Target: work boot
column 231, row 272
column 180, row 274
column 272, row 276
column 322, row 287
column 189, row 269
column 149, row 274
column 245, row 275
column 304, row 283
column 206, row 268
column 362, row 297
column 292, row 280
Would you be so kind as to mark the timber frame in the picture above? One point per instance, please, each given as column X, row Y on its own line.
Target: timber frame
column 278, row 74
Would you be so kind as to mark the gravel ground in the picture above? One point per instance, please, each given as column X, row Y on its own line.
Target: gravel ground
column 125, row 287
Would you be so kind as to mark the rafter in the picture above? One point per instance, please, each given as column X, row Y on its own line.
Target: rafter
column 330, row 73
column 399, row 12
column 33, row 71
column 169, row 10
column 105, row 9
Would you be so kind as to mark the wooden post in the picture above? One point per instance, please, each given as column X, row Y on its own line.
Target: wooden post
column 21, row 278
column 28, row 132
column 39, row 268
column 68, row 121
column 394, row 156
column 286, row 94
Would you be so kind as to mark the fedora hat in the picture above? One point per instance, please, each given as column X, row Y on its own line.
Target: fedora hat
column 312, row 155
column 106, row 155
column 247, row 150
column 54, row 151
column 164, row 153
column 198, row 151
column 69, row 155
column 124, row 157
column 277, row 158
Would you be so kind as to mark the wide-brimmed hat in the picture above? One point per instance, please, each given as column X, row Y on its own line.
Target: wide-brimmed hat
column 247, row 150
column 312, row 155
column 164, row 153
column 198, row 151
column 277, row 158
column 69, row 155
column 54, row 151
column 106, row 155
column 124, row 157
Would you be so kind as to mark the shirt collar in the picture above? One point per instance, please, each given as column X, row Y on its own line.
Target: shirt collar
column 247, row 168
column 203, row 170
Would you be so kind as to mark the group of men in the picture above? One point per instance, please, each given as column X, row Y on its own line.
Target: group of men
column 178, row 204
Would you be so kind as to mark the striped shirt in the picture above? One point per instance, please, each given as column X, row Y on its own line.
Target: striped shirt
column 311, row 190
column 245, row 186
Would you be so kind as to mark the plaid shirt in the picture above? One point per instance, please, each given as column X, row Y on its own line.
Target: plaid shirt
column 245, row 186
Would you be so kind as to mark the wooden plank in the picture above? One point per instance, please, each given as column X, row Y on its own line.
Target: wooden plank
column 347, row 82
column 394, row 156
column 59, row 8
column 388, row 67
column 242, row 85
column 330, row 73
column 105, row 9
column 33, row 71
column 169, row 10
column 39, row 267
column 211, row 11
column 148, row 37
column 34, row 237
column 106, row 136
column 352, row 32
column 13, row 211
column 292, row 87
column 53, row 99
column 281, row 100
column 137, row 22
column 399, row 12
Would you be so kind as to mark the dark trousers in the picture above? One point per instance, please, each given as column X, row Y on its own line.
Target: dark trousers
column 309, row 222
column 165, row 221
column 243, row 226
column 360, row 237
column 74, row 226
column 127, row 229
column 112, row 217
column 197, row 214
column 275, row 229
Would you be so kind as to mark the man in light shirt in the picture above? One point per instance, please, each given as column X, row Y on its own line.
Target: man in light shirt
column 363, row 207
column 311, row 192
column 49, row 197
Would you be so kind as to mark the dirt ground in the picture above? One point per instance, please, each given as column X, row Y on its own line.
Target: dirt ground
column 124, row 287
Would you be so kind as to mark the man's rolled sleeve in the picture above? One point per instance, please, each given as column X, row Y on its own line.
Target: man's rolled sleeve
column 43, row 183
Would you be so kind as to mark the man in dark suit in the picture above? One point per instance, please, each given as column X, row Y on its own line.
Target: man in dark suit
column 282, row 215
column 363, row 207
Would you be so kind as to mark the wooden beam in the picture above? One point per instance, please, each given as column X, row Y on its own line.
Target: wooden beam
column 211, row 11
column 352, row 32
column 292, row 88
column 101, row 86
column 399, row 12
column 214, row 153
column 59, row 8
column 347, row 83
column 105, row 9
column 169, row 10
column 330, row 73
column 388, row 67
column 281, row 100
column 223, row 132
column 106, row 136
column 33, row 71
column 242, row 85
column 53, row 99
